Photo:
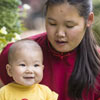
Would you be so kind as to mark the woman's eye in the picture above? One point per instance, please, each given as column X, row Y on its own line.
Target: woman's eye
column 53, row 24
column 68, row 26
column 36, row 65
column 21, row 64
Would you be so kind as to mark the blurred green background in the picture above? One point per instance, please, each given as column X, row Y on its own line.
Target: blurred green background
column 96, row 25
column 10, row 25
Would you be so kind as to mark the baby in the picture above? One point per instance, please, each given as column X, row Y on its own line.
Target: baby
column 25, row 66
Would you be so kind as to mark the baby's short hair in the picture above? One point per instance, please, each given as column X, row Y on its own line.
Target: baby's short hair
column 20, row 44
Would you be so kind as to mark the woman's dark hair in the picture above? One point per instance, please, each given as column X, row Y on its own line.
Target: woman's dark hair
column 87, row 63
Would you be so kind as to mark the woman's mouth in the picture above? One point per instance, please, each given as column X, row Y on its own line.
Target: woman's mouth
column 61, row 42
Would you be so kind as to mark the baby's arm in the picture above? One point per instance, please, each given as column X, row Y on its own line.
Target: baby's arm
column 50, row 95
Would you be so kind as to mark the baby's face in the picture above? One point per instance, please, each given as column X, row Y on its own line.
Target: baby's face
column 27, row 68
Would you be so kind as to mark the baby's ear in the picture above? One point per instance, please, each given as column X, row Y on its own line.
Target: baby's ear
column 8, row 68
column 43, row 67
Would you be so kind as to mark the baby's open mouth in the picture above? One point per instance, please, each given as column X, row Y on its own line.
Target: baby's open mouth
column 29, row 77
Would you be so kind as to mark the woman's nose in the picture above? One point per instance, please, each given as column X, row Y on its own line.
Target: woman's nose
column 60, row 33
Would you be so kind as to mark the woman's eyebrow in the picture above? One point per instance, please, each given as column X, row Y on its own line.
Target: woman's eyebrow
column 51, row 19
column 72, row 22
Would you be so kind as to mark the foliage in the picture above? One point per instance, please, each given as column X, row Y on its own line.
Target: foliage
column 9, row 21
column 6, row 37
column 96, row 25
column 9, row 15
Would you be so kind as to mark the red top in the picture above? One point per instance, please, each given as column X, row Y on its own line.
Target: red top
column 57, row 70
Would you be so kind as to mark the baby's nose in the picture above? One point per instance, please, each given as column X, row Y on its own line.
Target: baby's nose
column 29, row 70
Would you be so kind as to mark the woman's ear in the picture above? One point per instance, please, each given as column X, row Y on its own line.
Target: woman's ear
column 8, row 68
column 90, row 19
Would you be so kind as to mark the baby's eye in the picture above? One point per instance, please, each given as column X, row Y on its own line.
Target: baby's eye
column 36, row 65
column 22, row 65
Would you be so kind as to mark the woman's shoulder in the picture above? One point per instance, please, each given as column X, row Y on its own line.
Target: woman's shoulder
column 40, row 39
column 38, row 36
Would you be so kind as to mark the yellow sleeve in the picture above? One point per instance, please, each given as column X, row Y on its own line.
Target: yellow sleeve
column 53, row 96
column 2, row 94
column 50, row 95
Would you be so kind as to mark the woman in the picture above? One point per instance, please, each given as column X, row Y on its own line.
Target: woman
column 71, row 57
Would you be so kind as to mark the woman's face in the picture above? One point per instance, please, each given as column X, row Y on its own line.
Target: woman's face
column 65, row 27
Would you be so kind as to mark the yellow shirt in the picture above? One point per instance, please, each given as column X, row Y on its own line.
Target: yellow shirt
column 14, row 91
